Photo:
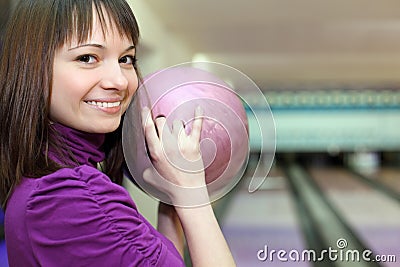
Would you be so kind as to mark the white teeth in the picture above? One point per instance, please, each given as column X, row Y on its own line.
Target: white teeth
column 104, row 104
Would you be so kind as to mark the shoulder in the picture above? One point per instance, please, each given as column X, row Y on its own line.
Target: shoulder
column 82, row 192
column 81, row 212
column 80, row 183
column 80, row 175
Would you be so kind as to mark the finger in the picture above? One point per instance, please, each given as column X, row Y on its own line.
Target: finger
column 150, row 132
column 160, row 124
column 177, row 128
column 197, row 124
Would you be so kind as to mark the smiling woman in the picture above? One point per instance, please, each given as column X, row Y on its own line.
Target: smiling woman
column 94, row 81
column 37, row 32
column 67, row 75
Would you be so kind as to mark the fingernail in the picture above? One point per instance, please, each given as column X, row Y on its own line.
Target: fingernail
column 145, row 111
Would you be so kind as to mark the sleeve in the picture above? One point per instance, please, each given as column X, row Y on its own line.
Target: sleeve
column 78, row 217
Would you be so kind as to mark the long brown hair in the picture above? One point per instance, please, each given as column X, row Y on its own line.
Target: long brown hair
column 34, row 32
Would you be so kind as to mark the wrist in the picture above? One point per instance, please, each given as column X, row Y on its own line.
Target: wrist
column 195, row 214
column 190, row 197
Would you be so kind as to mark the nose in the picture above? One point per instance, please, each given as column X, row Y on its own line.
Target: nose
column 114, row 78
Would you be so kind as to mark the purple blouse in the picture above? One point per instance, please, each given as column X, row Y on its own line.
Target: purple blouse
column 78, row 217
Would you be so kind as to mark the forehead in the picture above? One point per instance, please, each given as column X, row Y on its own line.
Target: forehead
column 101, row 32
column 98, row 24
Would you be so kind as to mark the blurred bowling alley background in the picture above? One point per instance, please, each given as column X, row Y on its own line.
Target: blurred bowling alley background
column 330, row 71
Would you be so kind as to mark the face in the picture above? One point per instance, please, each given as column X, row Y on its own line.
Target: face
column 93, row 81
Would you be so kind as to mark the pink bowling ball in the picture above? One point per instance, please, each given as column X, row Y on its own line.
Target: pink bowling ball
column 175, row 93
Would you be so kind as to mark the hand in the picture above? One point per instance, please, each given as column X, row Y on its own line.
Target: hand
column 175, row 155
column 179, row 173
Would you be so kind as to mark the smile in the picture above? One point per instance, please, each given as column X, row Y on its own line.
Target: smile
column 104, row 104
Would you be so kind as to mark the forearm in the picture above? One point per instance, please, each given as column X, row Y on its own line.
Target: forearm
column 170, row 226
column 206, row 243
column 186, row 187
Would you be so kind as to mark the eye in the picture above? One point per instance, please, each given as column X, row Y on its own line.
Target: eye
column 88, row 59
column 131, row 60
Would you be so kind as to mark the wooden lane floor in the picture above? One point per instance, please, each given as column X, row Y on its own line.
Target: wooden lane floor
column 388, row 176
column 299, row 209
column 312, row 208
column 371, row 213
column 385, row 179
column 257, row 223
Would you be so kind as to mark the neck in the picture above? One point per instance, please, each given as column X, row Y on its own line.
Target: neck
column 74, row 147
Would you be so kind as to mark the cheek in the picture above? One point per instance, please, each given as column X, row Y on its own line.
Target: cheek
column 68, row 88
column 57, row 94
column 133, row 85
column 132, row 88
column 65, row 87
column 71, row 84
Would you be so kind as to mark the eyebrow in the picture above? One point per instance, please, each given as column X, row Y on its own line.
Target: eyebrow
column 98, row 46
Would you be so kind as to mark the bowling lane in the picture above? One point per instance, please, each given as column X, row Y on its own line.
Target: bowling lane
column 388, row 176
column 267, row 217
column 371, row 214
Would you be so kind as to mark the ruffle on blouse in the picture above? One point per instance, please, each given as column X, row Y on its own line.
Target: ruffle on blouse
column 78, row 217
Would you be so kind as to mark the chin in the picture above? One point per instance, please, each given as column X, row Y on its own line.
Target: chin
column 103, row 127
column 108, row 129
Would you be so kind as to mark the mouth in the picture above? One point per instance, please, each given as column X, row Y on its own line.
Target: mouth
column 110, row 107
column 104, row 104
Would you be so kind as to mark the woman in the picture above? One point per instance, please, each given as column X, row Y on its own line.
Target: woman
column 68, row 73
